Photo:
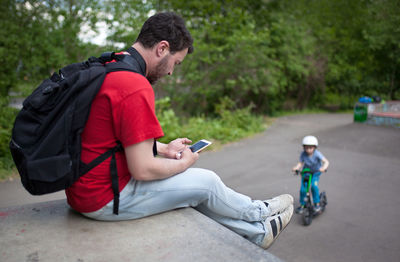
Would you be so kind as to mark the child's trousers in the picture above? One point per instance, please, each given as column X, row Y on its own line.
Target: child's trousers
column 314, row 189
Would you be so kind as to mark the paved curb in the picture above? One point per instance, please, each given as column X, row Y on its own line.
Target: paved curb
column 51, row 231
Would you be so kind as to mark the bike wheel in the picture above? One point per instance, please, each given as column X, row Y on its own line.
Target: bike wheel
column 323, row 200
column 307, row 214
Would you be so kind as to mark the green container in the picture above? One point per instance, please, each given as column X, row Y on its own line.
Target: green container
column 360, row 113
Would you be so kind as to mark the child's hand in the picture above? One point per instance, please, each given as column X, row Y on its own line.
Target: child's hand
column 297, row 167
column 322, row 170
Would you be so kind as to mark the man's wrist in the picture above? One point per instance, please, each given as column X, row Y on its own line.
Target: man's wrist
column 161, row 148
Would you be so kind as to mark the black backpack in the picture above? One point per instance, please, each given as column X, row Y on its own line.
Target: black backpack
column 46, row 137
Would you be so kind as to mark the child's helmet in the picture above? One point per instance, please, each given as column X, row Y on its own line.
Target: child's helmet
column 310, row 141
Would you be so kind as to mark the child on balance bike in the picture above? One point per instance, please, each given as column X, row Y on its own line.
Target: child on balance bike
column 314, row 160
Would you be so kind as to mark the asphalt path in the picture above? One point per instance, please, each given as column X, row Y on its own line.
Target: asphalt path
column 361, row 222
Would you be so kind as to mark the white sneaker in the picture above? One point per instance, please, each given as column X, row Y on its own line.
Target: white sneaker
column 300, row 210
column 317, row 208
column 277, row 204
column 275, row 225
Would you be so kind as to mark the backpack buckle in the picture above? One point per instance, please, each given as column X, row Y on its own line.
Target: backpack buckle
column 106, row 57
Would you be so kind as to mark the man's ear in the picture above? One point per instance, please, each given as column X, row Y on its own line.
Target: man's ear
column 162, row 48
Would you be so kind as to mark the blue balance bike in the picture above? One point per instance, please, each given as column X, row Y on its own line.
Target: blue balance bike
column 309, row 211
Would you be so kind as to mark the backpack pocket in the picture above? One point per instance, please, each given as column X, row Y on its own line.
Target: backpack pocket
column 42, row 176
column 44, row 97
column 49, row 170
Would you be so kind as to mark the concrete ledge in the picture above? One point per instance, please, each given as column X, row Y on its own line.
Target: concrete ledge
column 51, row 231
column 384, row 119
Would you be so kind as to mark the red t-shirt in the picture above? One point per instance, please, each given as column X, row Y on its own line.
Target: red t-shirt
column 123, row 110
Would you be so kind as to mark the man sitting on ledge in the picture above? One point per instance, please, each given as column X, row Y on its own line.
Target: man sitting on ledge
column 124, row 111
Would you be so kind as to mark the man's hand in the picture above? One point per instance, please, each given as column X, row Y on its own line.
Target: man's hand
column 144, row 166
column 188, row 156
column 176, row 147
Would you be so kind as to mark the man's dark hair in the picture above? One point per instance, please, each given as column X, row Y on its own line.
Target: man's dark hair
column 166, row 26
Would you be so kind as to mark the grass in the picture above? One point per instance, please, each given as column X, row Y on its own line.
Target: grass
column 8, row 174
column 310, row 111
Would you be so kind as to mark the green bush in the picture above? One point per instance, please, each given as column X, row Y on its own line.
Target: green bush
column 169, row 122
column 7, row 116
column 230, row 124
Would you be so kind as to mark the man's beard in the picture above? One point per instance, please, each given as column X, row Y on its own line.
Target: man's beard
column 159, row 71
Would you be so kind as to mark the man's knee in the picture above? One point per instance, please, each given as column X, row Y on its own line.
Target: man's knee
column 208, row 176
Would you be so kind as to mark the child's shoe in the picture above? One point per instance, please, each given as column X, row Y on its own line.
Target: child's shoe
column 317, row 208
column 275, row 225
column 300, row 210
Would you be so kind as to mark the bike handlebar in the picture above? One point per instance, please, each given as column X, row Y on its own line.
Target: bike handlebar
column 296, row 172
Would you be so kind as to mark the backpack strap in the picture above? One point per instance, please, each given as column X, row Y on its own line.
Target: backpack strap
column 98, row 160
column 113, row 170
column 138, row 58
column 106, row 57
column 133, row 62
column 114, row 178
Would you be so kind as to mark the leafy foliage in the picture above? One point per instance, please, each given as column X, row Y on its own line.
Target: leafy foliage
column 271, row 54
column 7, row 116
column 230, row 125
column 38, row 37
column 287, row 54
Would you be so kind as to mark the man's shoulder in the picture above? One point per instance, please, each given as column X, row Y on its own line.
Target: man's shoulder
column 121, row 84
column 127, row 77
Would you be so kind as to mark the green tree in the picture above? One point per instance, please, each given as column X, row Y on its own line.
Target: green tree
column 38, row 37
column 359, row 42
column 124, row 19
column 382, row 35
column 243, row 51
column 265, row 53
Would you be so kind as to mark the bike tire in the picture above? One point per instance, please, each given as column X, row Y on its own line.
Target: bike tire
column 307, row 215
column 323, row 200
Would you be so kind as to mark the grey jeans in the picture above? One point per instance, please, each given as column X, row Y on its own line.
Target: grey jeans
column 198, row 188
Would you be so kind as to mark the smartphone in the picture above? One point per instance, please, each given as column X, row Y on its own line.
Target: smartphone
column 200, row 145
